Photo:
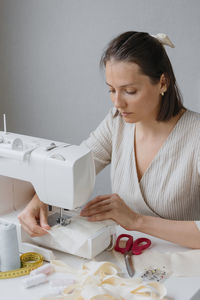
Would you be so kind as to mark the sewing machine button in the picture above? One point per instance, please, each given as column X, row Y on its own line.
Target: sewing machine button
column 50, row 147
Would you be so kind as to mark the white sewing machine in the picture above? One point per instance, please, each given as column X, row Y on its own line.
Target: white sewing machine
column 63, row 176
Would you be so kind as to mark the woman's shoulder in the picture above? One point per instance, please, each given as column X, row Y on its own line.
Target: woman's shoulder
column 192, row 120
column 193, row 115
column 192, row 127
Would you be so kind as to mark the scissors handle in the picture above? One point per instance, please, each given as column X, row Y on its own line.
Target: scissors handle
column 128, row 245
column 139, row 245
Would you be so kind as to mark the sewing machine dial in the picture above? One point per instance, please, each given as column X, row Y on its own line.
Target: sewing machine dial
column 17, row 145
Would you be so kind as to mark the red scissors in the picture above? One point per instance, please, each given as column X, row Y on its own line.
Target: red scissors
column 131, row 248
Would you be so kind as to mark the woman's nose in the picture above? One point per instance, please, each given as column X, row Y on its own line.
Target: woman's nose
column 118, row 101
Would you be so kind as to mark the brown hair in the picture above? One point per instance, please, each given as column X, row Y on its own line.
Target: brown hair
column 149, row 54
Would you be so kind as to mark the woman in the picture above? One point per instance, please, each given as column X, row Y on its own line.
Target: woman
column 152, row 143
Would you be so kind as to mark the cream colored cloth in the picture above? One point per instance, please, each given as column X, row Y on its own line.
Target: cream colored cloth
column 170, row 187
column 180, row 264
column 101, row 281
column 72, row 237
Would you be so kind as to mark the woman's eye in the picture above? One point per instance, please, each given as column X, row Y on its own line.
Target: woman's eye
column 127, row 92
column 131, row 92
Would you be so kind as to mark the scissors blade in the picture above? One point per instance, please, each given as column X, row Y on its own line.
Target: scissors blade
column 129, row 264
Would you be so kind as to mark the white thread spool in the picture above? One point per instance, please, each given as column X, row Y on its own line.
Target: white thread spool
column 34, row 280
column 9, row 249
column 45, row 269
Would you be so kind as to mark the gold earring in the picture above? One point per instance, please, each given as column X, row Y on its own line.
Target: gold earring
column 162, row 93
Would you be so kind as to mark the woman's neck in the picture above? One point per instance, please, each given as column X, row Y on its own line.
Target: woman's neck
column 152, row 127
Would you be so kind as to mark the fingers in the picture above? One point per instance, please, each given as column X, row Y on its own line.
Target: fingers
column 33, row 231
column 96, row 208
column 30, row 224
column 101, row 217
column 43, row 218
column 35, row 210
column 100, row 206
column 96, row 200
column 109, row 207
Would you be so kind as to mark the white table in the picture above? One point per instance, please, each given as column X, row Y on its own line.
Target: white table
column 178, row 288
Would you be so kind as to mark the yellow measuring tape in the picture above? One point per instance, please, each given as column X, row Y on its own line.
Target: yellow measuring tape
column 29, row 262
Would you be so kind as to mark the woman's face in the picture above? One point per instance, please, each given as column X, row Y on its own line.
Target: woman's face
column 132, row 93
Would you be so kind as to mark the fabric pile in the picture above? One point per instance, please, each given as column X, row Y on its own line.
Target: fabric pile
column 102, row 281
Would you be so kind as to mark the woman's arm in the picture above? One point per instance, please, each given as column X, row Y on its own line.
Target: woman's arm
column 184, row 233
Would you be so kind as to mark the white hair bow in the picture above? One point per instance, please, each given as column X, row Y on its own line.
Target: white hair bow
column 164, row 39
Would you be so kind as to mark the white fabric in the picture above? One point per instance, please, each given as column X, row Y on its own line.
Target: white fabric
column 170, row 187
column 73, row 236
column 179, row 264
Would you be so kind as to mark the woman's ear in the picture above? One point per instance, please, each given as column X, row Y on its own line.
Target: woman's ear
column 164, row 83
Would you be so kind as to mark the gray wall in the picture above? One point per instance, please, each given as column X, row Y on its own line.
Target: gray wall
column 50, row 83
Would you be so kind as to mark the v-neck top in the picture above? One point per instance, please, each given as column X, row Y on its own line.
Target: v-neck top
column 170, row 187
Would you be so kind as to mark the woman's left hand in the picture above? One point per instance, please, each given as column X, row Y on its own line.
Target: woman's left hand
column 110, row 207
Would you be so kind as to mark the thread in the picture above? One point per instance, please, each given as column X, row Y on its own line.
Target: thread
column 9, row 249
column 46, row 269
column 29, row 262
column 34, row 280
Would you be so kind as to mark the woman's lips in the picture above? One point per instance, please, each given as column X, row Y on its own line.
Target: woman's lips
column 125, row 114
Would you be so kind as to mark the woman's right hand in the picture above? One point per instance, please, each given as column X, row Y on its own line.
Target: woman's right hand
column 34, row 217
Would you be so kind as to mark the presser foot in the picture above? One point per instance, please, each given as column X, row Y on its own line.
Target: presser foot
column 55, row 219
column 63, row 221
